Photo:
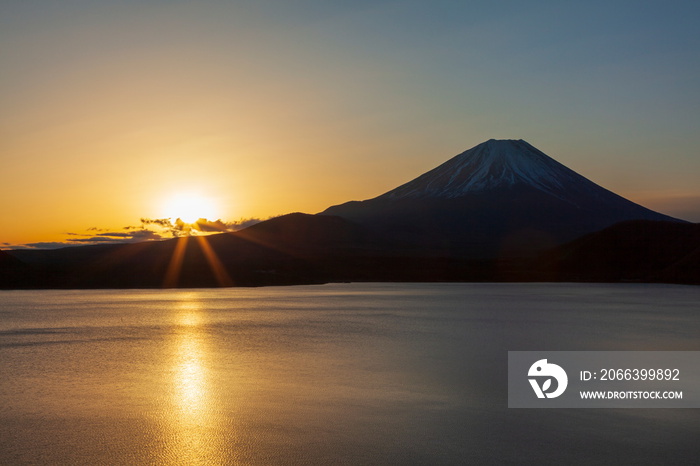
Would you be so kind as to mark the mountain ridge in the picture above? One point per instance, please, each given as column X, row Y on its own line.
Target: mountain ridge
column 496, row 164
column 631, row 251
column 480, row 199
column 492, row 164
column 502, row 211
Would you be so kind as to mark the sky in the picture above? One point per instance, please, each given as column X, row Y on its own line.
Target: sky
column 113, row 113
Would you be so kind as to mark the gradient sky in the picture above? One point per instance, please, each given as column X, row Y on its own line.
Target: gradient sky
column 110, row 109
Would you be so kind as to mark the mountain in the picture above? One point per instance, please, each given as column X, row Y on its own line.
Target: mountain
column 291, row 249
column 501, row 198
column 638, row 250
column 502, row 211
column 13, row 272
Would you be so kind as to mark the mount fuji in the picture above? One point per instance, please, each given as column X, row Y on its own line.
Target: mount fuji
column 501, row 211
column 499, row 198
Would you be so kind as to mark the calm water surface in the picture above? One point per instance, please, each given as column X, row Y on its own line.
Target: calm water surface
column 333, row 374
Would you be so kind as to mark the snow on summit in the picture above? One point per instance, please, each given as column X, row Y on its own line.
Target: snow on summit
column 491, row 165
column 500, row 197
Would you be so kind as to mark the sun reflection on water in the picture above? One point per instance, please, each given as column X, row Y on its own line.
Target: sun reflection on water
column 189, row 314
column 190, row 383
column 191, row 419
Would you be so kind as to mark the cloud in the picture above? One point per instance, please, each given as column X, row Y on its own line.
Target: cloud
column 164, row 222
column 143, row 235
column 121, row 234
column 180, row 228
column 151, row 229
column 94, row 239
column 205, row 225
column 120, row 237
column 243, row 223
column 41, row 245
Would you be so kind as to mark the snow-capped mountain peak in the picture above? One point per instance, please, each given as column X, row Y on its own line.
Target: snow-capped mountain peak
column 500, row 197
column 490, row 165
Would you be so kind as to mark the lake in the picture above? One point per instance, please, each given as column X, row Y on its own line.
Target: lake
column 329, row 374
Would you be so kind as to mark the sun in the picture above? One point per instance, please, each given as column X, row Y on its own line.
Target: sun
column 190, row 207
